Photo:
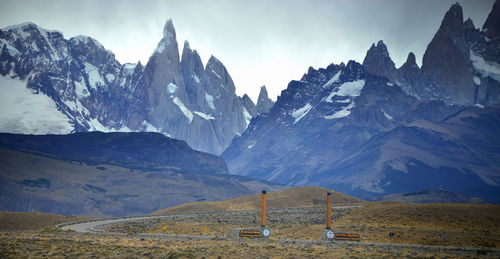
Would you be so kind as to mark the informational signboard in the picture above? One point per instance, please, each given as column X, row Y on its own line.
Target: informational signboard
column 250, row 233
column 347, row 236
column 256, row 233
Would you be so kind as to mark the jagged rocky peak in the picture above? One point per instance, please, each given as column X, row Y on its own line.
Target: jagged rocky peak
column 352, row 71
column 87, row 49
column 469, row 24
column 186, row 45
column 378, row 62
column 191, row 61
column 452, row 23
column 264, row 103
column 138, row 67
column 169, row 41
column 187, row 56
column 193, row 73
column 249, row 105
column 411, row 61
column 218, row 72
column 169, row 30
column 491, row 27
column 446, row 62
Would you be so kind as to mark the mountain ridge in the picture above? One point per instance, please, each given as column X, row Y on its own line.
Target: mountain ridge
column 174, row 95
column 371, row 129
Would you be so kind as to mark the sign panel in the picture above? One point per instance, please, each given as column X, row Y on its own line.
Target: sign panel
column 250, row 233
column 347, row 236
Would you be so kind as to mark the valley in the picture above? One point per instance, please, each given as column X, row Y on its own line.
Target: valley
column 176, row 157
column 420, row 230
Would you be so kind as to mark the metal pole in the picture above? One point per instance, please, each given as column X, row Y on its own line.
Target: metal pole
column 263, row 210
column 328, row 211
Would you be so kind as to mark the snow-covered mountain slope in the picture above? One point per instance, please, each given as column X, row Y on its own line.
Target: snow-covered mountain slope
column 372, row 129
column 17, row 113
column 77, row 85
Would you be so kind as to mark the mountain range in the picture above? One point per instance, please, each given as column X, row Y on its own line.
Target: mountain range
column 366, row 129
column 77, row 85
column 372, row 129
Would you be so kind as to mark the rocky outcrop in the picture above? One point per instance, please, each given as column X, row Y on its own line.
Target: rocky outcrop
column 411, row 77
column 491, row 27
column 378, row 62
column 446, row 62
column 264, row 103
column 249, row 105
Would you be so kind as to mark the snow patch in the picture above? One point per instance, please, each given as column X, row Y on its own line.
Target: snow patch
column 247, row 116
column 344, row 101
column 477, row 81
column 21, row 111
column 148, row 127
column 172, row 88
column 301, row 112
column 342, row 113
column 333, row 80
column 389, row 117
column 204, row 115
column 398, row 166
column 81, row 89
column 110, row 77
column 351, row 89
column 96, row 125
column 95, row 78
column 129, row 67
column 196, row 79
column 215, row 73
column 184, row 109
column 486, row 68
column 480, row 106
column 10, row 49
column 390, row 84
column 210, row 101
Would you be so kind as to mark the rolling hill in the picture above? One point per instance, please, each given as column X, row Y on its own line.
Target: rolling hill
column 295, row 197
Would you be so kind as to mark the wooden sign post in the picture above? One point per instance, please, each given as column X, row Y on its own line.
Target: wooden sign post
column 263, row 231
column 327, row 233
column 263, row 209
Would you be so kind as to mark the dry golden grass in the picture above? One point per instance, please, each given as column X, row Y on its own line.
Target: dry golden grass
column 467, row 225
column 463, row 225
column 67, row 245
column 294, row 197
column 15, row 221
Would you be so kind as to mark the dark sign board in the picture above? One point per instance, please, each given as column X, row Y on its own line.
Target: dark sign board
column 250, row 233
column 347, row 236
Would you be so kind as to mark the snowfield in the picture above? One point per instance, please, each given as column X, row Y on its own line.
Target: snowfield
column 24, row 112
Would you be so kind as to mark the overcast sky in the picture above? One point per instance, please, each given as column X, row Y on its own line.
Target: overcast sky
column 260, row 42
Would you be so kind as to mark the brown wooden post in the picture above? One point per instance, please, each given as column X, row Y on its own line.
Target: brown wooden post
column 263, row 210
column 328, row 211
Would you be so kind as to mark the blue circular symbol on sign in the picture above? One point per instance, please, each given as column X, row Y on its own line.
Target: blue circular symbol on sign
column 330, row 235
column 265, row 232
